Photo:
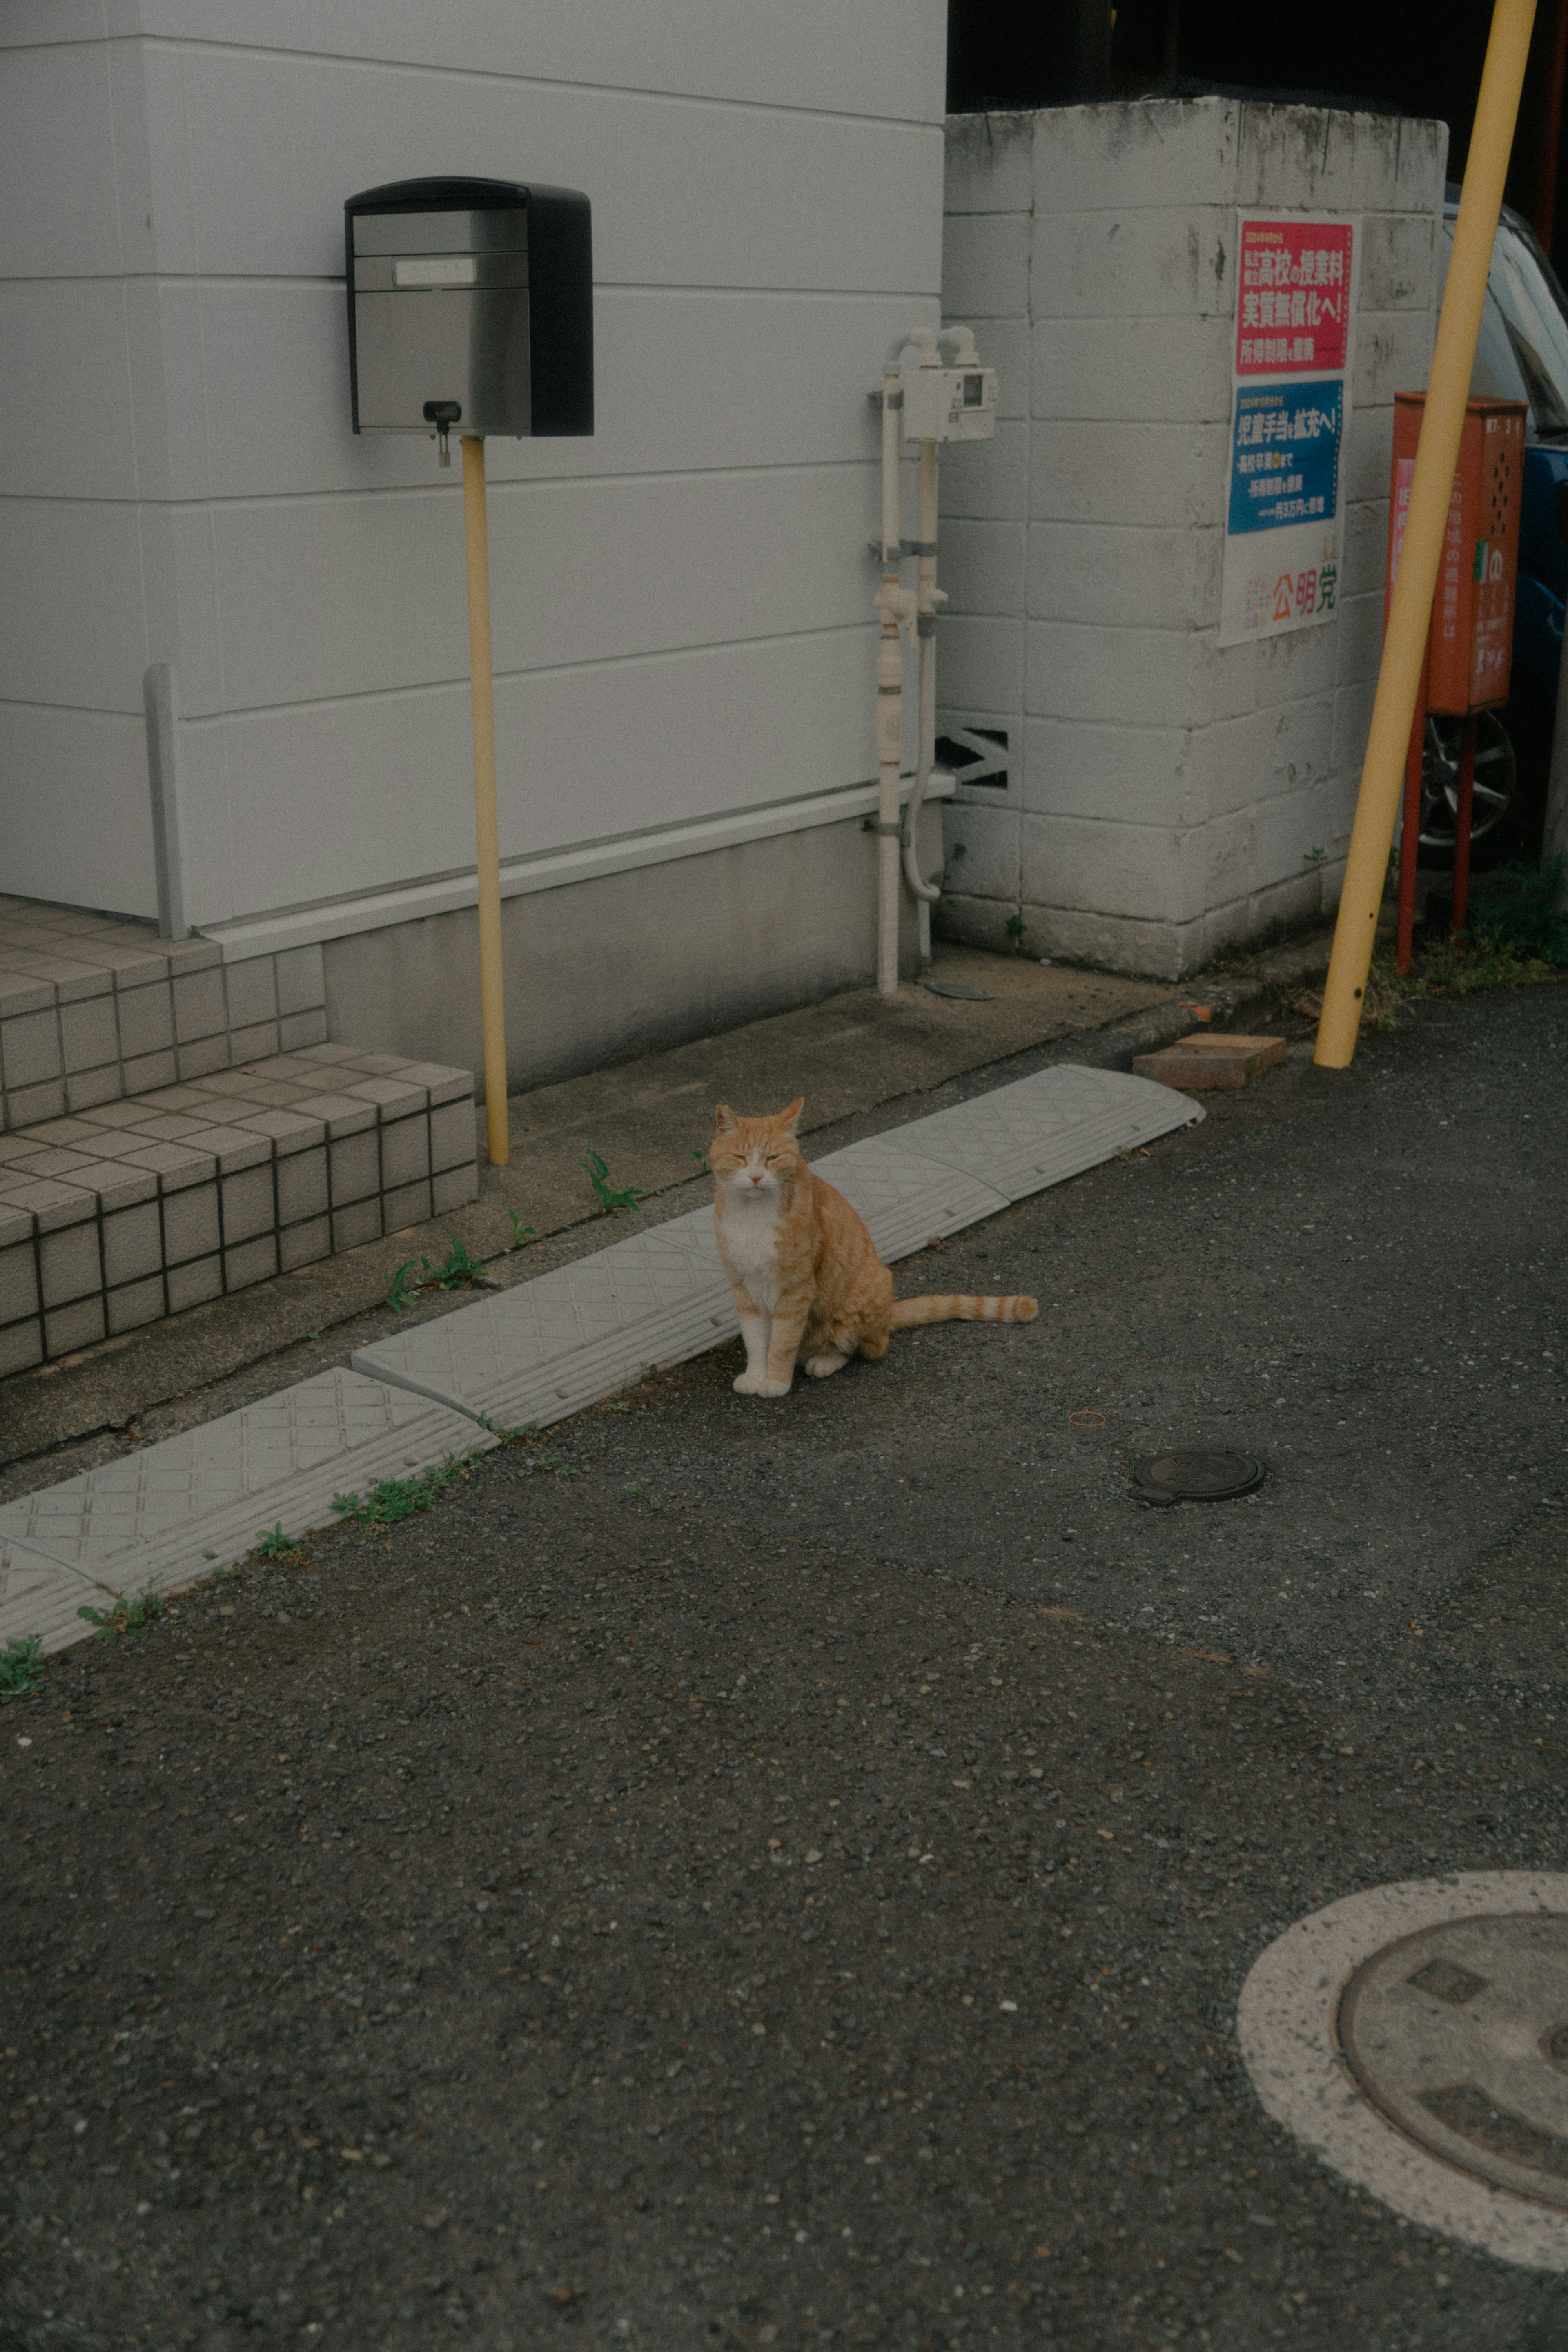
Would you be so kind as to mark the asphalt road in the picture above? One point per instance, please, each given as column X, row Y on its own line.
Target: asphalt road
column 747, row 1874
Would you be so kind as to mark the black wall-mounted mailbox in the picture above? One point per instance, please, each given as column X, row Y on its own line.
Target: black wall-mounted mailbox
column 470, row 306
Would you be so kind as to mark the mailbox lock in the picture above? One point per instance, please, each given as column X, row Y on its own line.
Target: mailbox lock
column 442, row 415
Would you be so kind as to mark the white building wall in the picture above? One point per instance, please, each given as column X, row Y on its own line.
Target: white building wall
column 1166, row 795
column 680, row 603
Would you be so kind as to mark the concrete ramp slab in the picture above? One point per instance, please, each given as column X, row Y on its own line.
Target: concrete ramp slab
column 176, row 1510
column 1050, row 1127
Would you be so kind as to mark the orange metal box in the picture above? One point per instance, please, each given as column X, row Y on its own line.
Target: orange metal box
column 1471, row 640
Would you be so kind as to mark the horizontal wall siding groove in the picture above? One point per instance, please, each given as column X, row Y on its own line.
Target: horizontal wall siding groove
column 264, row 281
column 184, row 45
column 242, row 710
column 238, row 501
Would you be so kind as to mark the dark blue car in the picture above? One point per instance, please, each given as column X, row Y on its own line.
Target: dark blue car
column 1522, row 354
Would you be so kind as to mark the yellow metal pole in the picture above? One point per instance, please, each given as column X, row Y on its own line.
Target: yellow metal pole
column 482, row 688
column 1410, row 608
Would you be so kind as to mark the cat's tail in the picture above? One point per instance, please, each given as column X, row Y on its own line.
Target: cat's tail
column 961, row 1308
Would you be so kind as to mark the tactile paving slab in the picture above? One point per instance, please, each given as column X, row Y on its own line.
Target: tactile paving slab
column 41, row 1597
column 906, row 1197
column 551, row 1346
column 176, row 1510
column 1047, row 1128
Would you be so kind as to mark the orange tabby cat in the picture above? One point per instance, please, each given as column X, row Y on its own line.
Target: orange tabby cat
column 803, row 1269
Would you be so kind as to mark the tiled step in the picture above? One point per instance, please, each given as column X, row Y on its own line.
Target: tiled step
column 140, row 1207
column 94, row 1008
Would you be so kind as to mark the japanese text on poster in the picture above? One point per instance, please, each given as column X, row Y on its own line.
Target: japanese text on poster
column 1288, row 412
column 1294, row 306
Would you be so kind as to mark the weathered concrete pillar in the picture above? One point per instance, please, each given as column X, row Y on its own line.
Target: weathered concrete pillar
column 1165, row 795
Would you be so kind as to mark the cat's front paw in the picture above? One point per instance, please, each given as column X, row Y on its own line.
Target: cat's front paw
column 750, row 1383
column 762, row 1386
column 820, row 1366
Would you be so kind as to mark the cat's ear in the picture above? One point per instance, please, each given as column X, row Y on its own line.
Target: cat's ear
column 788, row 1120
column 724, row 1121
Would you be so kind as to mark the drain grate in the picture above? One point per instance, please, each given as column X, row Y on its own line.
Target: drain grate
column 1195, row 1474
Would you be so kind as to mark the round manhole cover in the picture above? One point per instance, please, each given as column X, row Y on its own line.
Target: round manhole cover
column 1416, row 2037
column 1460, row 2035
column 1211, row 1475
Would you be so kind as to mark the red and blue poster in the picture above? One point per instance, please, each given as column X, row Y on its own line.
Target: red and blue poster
column 1290, row 409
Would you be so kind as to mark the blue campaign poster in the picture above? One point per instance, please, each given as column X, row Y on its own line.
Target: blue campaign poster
column 1284, row 458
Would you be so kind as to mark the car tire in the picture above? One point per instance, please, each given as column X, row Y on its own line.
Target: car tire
column 1514, row 760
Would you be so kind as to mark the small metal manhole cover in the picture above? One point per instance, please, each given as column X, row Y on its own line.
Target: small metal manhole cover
column 1195, row 1475
column 1459, row 2035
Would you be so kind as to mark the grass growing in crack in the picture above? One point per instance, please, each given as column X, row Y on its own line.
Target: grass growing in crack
column 400, row 1292
column 1472, row 965
column 607, row 1197
column 272, row 1544
column 520, row 1233
column 516, row 1433
column 391, row 1500
column 130, row 1617
column 553, row 1462
column 21, row 1668
column 458, row 1270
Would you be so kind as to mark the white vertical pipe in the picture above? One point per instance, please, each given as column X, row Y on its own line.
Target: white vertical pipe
column 926, row 601
column 889, row 696
column 164, row 779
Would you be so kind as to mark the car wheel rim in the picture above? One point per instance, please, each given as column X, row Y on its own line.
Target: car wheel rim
column 1495, row 782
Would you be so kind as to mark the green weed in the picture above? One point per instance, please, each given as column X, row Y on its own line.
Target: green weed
column 701, row 1159
column 1519, row 910
column 391, row 1500
column 1473, row 965
column 272, row 1544
column 517, row 1432
column 400, row 1292
column 21, row 1668
column 458, row 1271
column 130, row 1617
column 520, row 1233
column 1015, row 928
column 609, row 1199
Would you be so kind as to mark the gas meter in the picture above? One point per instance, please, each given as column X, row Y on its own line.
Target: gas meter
column 949, row 403
column 470, row 306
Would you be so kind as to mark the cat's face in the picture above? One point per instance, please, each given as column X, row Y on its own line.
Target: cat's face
column 754, row 1158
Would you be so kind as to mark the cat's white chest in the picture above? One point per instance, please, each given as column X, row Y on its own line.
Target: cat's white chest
column 752, row 1246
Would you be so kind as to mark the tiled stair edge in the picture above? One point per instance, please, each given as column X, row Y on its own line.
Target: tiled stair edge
column 144, row 1207
column 113, row 1011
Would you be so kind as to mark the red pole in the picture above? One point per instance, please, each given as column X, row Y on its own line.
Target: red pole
column 1462, row 822
column 1410, row 832
column 1550, row 119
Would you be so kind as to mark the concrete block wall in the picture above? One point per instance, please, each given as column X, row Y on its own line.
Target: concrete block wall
column 1166, row 796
